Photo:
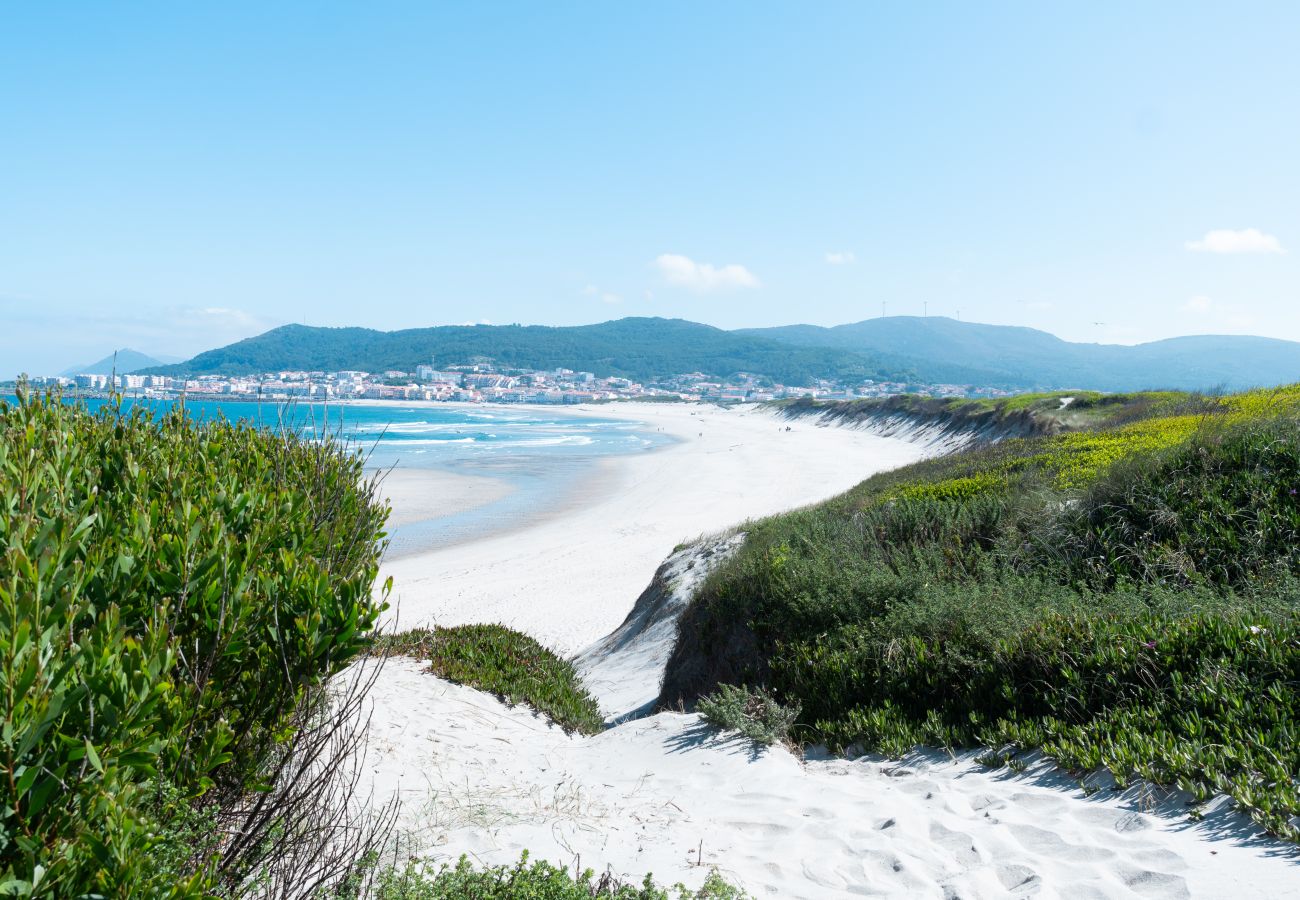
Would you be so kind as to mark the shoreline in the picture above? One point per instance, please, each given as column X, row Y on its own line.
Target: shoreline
column 568, row 577
column 511, row 493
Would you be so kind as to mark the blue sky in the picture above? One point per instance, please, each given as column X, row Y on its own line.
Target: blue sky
column 175, row 177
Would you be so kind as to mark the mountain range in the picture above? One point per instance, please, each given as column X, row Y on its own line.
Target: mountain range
column 944, row 349
column 932, row 349
column 637, row 348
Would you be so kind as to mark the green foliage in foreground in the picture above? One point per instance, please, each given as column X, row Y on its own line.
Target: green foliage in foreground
column 755, row 714
column 511, row 665
column 1141, row 615
column 539, row 881
column 169, row 592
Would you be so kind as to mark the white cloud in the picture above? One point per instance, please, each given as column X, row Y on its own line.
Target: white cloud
column 703, row 278
column 1225, row 240
column 1198, row 304
column 840, row 258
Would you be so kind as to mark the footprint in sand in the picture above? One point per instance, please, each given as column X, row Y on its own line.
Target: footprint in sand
column 982, row 802
column 1146, row 883
column 958, row 844
column 770, row 830
column 1019, row 881
column 1049, row 843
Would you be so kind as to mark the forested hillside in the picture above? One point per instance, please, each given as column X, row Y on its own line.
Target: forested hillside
column 637, row 348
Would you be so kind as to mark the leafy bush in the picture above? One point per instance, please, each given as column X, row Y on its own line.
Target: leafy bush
column 511, row 665
column 1127, row 598
column 754, row 713
column 170, row 592
column 539, row 881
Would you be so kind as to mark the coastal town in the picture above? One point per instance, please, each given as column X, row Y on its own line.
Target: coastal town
column 487, row 383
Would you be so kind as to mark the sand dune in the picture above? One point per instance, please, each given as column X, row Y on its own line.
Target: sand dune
column 477, row 777
column 665, row 793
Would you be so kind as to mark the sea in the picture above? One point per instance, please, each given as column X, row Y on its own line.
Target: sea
column 541, row 453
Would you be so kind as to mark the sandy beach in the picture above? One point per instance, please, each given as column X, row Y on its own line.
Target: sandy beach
column 666, row 794
column 569, row 577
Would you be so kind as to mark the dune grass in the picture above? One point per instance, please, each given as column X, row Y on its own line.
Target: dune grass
column 538, row 880
column 506, row 663
column 754, row 713
column 1125, row 598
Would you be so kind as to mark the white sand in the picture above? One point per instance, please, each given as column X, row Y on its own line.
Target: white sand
column 477, row 777
column 569, row 579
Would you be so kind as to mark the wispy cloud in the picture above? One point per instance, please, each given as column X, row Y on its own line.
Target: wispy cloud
column 607, row 297
column 1226, row 240
column 840, row 257
column 703, row 278
column 1198, row 304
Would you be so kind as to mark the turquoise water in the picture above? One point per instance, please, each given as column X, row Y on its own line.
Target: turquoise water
column 540, row 452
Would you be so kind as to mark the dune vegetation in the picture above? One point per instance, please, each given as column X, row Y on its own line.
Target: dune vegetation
column 526, row 880
column 503, row 662
column 1119, row 591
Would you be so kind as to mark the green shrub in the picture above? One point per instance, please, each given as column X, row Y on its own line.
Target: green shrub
column 522, row 881
column 1126, row 598
column 170, row 591
column 754, row 713
column 511, row 665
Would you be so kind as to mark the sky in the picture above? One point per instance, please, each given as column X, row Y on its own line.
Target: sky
column 174, row 177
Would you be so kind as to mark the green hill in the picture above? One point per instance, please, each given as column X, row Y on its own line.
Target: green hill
column 638, row 348
column 943, row 349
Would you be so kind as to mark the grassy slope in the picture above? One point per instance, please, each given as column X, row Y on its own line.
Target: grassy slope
column 511, row 665
column 1122, row 595
column 1023, row 415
